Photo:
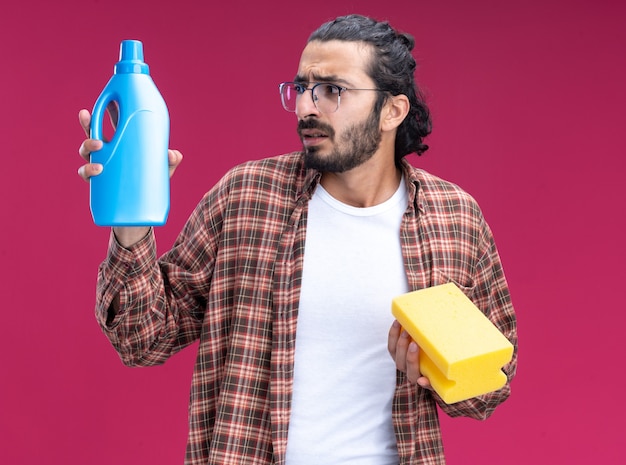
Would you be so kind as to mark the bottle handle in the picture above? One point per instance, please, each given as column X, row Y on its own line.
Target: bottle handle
column 106, row 99
column 96, row 129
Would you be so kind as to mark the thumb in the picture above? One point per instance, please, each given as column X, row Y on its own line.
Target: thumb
column 174, row 159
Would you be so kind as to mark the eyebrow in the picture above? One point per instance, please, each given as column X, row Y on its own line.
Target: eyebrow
column 331, row 78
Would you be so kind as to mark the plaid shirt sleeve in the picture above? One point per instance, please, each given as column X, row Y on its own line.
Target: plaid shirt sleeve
column 231, row 280
column 463, row 251
column 489, row 291
column 151, row 325
column 446, row 239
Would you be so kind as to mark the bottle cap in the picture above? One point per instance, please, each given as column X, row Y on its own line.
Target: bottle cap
column 131, row 58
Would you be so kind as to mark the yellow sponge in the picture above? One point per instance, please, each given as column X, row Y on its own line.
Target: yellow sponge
column 461, row 351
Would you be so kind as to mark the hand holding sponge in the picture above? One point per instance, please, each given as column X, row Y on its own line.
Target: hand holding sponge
column 461, row 351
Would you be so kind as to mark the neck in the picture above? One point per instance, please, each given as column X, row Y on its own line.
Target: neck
column 367, row 185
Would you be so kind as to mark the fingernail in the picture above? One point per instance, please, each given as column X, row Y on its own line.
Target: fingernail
column 412, row 347
column 97, row 168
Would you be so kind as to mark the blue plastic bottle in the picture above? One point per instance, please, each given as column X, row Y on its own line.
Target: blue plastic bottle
column 133, row 188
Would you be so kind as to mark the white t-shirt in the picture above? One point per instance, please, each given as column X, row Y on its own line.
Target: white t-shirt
column 344, row 377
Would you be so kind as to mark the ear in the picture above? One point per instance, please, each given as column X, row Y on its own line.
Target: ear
column 395, row 110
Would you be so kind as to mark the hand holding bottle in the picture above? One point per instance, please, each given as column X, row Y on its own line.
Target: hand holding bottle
column 90, row 145
column 126, row 236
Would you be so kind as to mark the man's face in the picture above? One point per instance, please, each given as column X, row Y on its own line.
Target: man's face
column 346, row 138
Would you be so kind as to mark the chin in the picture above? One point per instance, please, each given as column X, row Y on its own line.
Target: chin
column 327, row 164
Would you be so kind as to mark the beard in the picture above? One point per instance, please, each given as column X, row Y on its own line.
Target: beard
column 355, row 146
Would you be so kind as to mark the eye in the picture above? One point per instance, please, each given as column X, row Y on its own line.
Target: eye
column 329, row 90
column 299, row 88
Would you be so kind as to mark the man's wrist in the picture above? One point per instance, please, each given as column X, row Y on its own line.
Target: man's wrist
column 129, row 236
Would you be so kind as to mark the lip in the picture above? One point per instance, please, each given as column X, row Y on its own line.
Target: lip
column 311, row 141
column 312, row 136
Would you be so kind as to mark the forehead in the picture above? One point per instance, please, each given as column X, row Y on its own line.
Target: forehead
column 335, row 60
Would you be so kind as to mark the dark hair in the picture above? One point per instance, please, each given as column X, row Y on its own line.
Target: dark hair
column 392, row 68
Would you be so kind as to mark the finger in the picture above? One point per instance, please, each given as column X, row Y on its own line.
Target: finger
column 392, row 339
column 88, row 146
column 88, row 170
column 412, row 363
column 424, row 382
column 174, row 159
column 84, row 117
column 402, row 348
column 113, row 110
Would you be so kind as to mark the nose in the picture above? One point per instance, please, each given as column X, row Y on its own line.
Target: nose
column 305, row 106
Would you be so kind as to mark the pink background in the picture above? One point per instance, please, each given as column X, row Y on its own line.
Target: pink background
column 529, row 113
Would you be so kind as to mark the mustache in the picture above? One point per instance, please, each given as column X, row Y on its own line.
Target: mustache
column 314, row 124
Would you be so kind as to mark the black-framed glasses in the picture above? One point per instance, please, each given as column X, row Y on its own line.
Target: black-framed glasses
column 326, row 96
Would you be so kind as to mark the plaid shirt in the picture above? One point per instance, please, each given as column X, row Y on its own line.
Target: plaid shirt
column 233, row 280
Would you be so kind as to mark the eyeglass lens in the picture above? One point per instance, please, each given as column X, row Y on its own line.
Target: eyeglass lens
column 325, row 96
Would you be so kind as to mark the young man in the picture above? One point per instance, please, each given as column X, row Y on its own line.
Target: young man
column 286, row 269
